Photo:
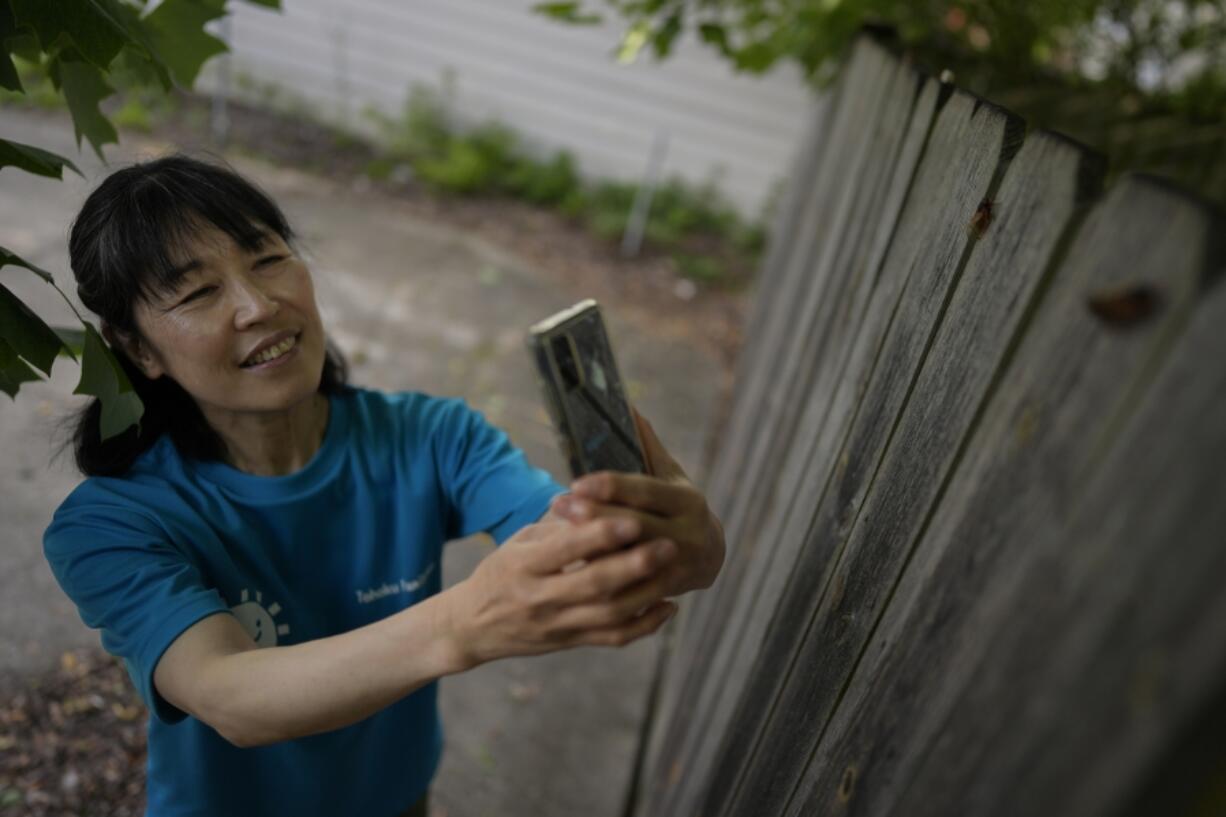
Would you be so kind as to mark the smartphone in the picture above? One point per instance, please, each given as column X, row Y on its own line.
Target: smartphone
column 583, row 392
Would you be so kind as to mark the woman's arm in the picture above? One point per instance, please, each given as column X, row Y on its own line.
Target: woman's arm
column 526, row 598
column 253, row 696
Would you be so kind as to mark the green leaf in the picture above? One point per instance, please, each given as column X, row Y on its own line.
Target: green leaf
column 176, row 29
column 24, row 44
column 140, row 47
column 633, row 41
column 103, row 377
column 142, row 69
column 84, row 87
column 9, row 78
column 26, row 334
column 86, row 26
column 716, row 35
column 567, row 13
column 8, row 259
column 756, row 57
column 73, row 340
column 663, row 38
column 272, row 4
column 34, row 160
column 14, row 371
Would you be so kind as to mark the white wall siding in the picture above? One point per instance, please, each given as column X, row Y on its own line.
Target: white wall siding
column 557, row 85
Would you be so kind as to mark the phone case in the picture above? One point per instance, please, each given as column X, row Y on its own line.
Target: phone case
column 583, row 392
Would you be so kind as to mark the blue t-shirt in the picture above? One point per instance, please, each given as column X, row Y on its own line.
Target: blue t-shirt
column 354, row 536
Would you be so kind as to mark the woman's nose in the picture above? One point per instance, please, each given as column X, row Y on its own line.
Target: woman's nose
column 254, row 305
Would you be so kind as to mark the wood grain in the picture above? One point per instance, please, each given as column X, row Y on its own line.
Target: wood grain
column 1009, row 495
column 867, row 73
column 736, row 625
column 970, row 140
column 971, row 481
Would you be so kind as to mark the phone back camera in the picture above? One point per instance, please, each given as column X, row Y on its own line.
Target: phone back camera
column 563, row 354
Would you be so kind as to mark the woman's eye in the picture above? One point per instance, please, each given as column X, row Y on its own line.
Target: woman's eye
column 269, row 259
column 200, row 293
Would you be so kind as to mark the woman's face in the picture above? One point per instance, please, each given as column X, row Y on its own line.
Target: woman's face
column 241, row 331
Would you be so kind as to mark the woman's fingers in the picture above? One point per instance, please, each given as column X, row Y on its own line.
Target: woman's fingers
column 584, row 541
column 613, row 612
column 622, row 634
column 578, row 510
column 637, row 491
column 609, row 576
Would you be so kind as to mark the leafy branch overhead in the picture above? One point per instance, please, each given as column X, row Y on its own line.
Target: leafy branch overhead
column 1143, row 81
column 78, row 44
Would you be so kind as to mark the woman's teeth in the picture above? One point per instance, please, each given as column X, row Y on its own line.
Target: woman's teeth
column 272, row 352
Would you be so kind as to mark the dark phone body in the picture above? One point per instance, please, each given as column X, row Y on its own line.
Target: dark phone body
column 584, row 393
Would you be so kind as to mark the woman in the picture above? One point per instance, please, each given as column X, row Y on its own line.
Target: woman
column 263, row 552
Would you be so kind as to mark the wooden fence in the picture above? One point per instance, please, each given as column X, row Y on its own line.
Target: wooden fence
column 974, row 487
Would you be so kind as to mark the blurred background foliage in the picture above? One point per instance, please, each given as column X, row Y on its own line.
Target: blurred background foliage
column 1143, row 81
column 695, row 225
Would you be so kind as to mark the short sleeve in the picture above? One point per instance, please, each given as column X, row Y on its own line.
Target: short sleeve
column 489, row 483
column 130, row 584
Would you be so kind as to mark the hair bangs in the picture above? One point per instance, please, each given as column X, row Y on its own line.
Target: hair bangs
column 154, row 216
column 179, row 204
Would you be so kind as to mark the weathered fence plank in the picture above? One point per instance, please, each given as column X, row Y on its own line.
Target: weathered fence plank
column 866, row 75
column 871, row 206
column 767, row 289
column 957, row 601
column 1134, row 637
column 838, row 264
column 767, row 284
column 770, row 555
column 1032, row 209
column 871, row 69
column 783, row 276
column 969, row 142
column 866, row 71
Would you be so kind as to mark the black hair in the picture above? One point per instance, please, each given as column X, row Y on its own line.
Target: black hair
column 124, row 247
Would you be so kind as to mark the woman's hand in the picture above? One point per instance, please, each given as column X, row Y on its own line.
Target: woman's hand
column 666, row 505
column 527, row 598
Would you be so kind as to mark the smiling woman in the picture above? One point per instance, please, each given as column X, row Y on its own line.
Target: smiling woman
column 193, row 273
column 263, row 552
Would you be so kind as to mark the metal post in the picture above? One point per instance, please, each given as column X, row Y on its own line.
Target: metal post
column 636, row 225
column 219, row 117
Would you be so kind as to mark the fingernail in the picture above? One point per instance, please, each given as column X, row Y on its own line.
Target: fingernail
column 579, row 508
column 665, row 547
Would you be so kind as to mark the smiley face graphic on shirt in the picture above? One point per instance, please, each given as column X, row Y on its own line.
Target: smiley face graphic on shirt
column 259, row 621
